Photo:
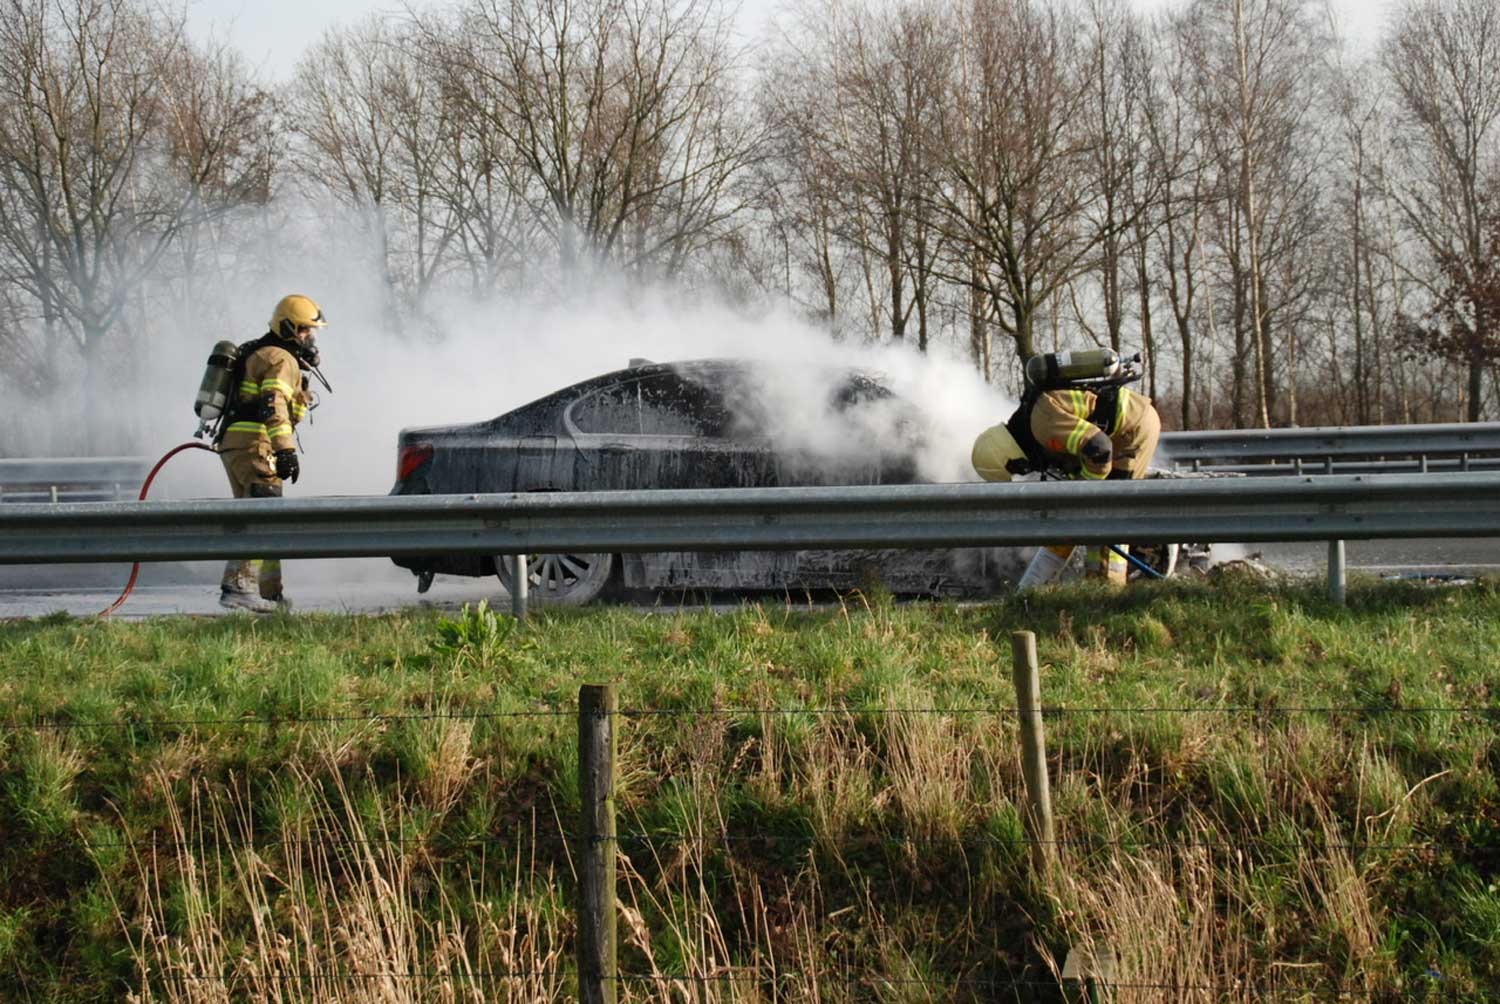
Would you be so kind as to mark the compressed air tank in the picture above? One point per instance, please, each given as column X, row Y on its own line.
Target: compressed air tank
column 1057, row 368
column 215, row 388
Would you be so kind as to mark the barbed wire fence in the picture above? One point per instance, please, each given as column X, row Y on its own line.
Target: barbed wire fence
column 597, row 844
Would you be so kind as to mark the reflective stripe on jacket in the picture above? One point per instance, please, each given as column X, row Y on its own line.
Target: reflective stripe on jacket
column 1060, row 423
column 272, row 377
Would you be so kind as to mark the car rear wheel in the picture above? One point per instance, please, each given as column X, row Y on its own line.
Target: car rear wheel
column 561, row 579
column 1160, row 558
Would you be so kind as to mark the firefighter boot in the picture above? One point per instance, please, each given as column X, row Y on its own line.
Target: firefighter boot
column 1046, row 565
column 270, row 584
column 240, row 588
column 1103, row 562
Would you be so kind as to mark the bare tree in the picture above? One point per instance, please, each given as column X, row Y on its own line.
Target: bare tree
column 856, row 92
column 798, row 180
column 223, row 130
column 106, row 157
column 1463, row 323
column 1018, row 161
column 1182, row 195
column 1118, row 82
column 1444, row 61
column 1365, row 281
column 341, row 102
column 484, row 182
column 623, row 112
column 1255, row 69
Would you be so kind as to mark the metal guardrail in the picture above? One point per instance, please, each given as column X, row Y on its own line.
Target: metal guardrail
column 71, row 479
column 1446, row 488
column 1344, row 449
column 899, row 516
column 1315, row 465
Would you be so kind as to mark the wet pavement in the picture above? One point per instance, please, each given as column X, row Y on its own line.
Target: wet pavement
column 373, row 585
column 352, row 585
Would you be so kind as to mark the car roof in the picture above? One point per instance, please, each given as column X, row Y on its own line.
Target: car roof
column 728, row 364
column 706, row 369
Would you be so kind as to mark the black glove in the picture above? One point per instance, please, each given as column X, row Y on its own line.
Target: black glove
column 287, row 467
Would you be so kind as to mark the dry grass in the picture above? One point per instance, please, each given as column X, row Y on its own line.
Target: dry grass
column 836, row 774
column 334, row 908
column 1158, row 911
column 1196, row 911
column 785, row 855
column 928, row 775
column 344, row 901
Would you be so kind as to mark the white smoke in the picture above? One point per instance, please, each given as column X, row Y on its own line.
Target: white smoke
column 492, row 357
column 473, row 360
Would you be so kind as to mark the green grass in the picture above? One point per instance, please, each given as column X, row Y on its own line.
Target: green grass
column 833, row 794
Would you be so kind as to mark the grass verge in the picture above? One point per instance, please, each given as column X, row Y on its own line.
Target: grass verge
column 1260, row 797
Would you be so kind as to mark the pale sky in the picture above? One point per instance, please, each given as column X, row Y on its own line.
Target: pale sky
column 271, row 34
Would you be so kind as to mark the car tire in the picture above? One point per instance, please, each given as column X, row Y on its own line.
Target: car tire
column 563, row 580
column 1162, row 559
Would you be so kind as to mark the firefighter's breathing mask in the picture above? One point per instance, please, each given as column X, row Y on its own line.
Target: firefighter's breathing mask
column 308, row 356
column 307, row 348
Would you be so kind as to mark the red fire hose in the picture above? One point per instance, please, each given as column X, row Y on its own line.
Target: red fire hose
column 135, row 570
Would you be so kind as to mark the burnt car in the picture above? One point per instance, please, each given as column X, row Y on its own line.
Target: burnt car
column 701, row 424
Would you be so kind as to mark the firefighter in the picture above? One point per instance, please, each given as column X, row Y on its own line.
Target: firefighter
column 258, row 444
column 1093, row 434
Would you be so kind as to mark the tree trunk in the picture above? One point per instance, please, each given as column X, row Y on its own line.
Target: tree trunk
column 1361, row 392
column 1148, row 340
column 1252, row 227
column 1023, row 326
column 898, row 288
column 1476, row 388
column 979, row 327
column 96, row 388
column 1241, row 351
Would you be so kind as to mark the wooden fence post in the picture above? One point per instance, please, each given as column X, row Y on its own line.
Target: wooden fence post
column 1039, row 828
column 597, row 965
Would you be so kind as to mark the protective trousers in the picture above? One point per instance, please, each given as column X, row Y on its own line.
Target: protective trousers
column 1099, row 561
column 1131, row 462
column 252, row 474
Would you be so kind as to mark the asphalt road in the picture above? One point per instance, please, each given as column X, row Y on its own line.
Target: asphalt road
column 373, row 585
column 350, row 585
column 1396, row 558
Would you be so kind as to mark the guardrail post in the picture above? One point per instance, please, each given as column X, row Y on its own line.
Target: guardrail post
column 520, row 583
column 598, row 708
column 1039, row 828
column 1338, row 579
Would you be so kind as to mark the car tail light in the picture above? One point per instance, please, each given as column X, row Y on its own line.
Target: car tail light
column 410, row 458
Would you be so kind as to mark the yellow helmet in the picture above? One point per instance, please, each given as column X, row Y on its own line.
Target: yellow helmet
column 293, row 312
column 995, row 448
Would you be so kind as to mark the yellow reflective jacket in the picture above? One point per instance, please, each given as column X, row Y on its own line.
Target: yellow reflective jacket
column 1127, row 442
column 269, row 402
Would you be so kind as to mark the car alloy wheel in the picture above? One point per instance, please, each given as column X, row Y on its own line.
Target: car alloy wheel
column 561, row 579
column 1161, row 558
